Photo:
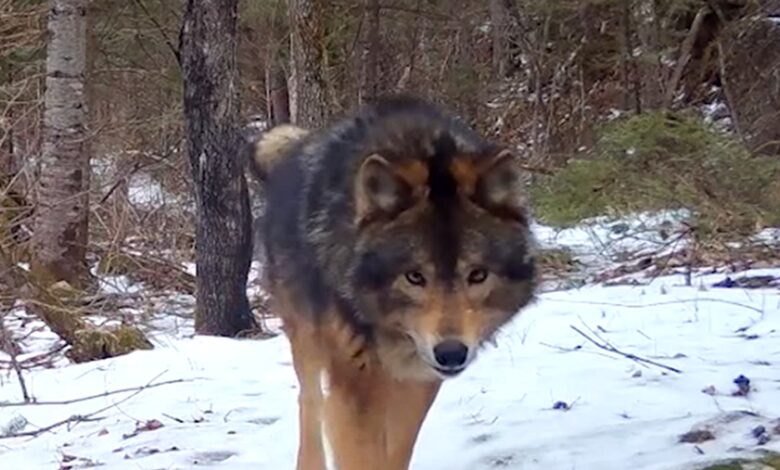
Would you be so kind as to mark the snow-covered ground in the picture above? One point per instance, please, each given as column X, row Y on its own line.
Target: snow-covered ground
column 544, row 398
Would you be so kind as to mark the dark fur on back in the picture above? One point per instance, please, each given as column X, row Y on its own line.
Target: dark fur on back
column 324, row 258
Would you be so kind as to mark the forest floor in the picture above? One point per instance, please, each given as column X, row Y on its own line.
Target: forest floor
column 640, row 372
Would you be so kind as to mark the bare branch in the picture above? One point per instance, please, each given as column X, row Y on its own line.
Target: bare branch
column 606, row 346
column 92, row 397
column 659, row 304
column 89, row 416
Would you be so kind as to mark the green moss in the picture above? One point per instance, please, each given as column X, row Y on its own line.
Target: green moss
column 92, row 343
column 556, row 259
column 770, row 461
column 115, row 263
column 664, row 161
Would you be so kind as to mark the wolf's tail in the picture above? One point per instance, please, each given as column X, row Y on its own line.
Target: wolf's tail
column 272, row 146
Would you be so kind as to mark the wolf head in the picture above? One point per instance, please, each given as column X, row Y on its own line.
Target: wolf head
column 408, row 221
column 443, row 254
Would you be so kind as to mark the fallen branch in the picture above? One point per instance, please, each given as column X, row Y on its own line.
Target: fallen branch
column 606, row 346
column 658, row 304
column 92, row 397
column 89, row 416
column 531, row 168
column 38, row 360
column 8, row 344
column 57, row 306
column 71, row 419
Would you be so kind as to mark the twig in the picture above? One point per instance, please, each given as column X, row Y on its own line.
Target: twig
column 727, row 92
column 536, row 169
column 71, row 419
column 657, row 304
column 89, row 416
column 97, row 395
column 174, row 418
column 606, row 346
column 11, row 346
column 20, row 376
column 561, row 348
column 161, row 30
column 38, row 359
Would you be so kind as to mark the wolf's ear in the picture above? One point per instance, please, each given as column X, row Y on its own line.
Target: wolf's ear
column 385, row 190
column 499, row 188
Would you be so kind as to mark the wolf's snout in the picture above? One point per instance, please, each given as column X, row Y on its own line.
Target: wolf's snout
column 451, row 354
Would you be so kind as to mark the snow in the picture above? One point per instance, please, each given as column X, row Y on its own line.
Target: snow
column 601, row 243
column 233, row 403
column 144, row 191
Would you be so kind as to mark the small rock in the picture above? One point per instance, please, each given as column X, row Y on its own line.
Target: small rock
column 743, row 386
column 149, row 425
column 620, row 228
column 696, row 436
column 726, row 283
column 757, row 431
column 142, row 452
column 710, row 390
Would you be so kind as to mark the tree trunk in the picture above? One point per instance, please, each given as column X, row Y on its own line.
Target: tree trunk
column 60, row 237
column 211, row 112
column 307, row 43
column 11, row 201
column 498, row 17
column 279, row 97
column 369, row 88
column 628, row 71
column 685, row 55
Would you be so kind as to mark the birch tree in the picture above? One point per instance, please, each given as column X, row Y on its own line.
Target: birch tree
column 61, row 213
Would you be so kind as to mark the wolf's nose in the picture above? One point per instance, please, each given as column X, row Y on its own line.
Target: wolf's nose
column 451, row 353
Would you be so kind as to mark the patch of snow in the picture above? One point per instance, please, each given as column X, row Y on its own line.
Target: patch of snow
column 601, row 242
column 614, row 113
column 117, row 284
column 34, row 338
column 769, row 236
column 257, row 123
column 145, row 191
column 715, row 111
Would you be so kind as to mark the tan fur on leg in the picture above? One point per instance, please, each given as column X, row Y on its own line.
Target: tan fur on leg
column 306, row 363
column 354, row 414
column 408, row 405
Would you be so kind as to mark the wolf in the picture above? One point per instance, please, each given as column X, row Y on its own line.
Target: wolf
column 397, row 243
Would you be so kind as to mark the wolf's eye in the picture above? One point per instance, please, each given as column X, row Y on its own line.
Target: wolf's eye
column 415, row 278
column 477, row 276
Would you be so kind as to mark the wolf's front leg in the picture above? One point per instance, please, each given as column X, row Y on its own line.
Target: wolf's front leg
column 371, row 420
column 354, row 435
column 408, row 404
